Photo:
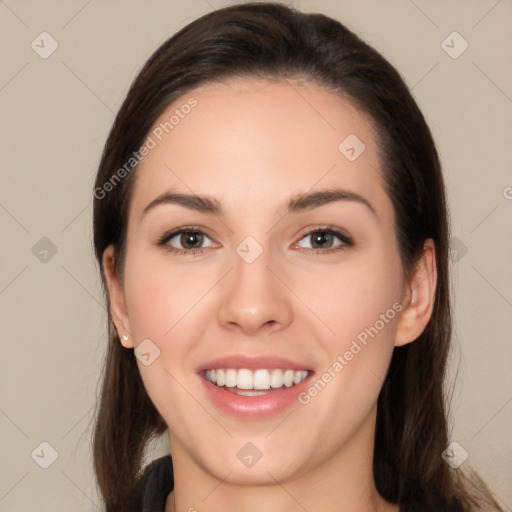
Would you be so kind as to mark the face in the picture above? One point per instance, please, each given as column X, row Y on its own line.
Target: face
column 287, row 274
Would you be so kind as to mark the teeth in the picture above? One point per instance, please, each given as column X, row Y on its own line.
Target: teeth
column 277, row 379
column 261, row 380
column 230, row 378
column 245, row 379
column 288, row 378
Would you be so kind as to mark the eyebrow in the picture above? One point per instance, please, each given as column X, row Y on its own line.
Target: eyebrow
column 308, row 201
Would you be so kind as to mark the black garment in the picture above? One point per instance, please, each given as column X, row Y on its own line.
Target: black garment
column 154, row 486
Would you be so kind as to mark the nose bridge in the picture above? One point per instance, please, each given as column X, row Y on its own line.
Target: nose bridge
column 254, row 298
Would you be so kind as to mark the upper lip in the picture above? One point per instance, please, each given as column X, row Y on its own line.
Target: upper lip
column 252, row 363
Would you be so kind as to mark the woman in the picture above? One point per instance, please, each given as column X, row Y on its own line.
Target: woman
column 272, row 234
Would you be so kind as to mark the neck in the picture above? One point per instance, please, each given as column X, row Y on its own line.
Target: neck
column 342, row 482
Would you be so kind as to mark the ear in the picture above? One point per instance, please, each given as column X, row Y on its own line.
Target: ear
column 419, row 297
column 116, row 299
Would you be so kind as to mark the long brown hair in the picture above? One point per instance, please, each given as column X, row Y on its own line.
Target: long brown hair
column 271, row 40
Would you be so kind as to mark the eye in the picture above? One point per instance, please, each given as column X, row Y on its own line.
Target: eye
column 323, row 240
column 189, row 241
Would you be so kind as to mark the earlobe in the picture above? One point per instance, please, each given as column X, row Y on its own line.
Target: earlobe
column 419, row 297
column 116, row 300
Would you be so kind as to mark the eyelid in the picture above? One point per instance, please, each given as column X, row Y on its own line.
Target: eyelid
column 163, row 239
column 345, row 239
column 325, row 227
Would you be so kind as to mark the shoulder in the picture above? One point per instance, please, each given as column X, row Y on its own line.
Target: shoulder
column 153, row 487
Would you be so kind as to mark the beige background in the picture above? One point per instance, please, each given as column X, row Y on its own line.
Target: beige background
column 56, row 114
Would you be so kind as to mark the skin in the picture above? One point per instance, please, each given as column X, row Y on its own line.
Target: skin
column 306, row 306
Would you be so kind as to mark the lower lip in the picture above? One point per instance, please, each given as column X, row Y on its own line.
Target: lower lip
column 262, row 406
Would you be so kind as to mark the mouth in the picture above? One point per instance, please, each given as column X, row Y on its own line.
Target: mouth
column 250, row 387
column 254, row 382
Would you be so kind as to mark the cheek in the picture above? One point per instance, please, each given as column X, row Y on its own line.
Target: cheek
column 160, row 296
column 359, row 303
column 359, row 306
column 161, row 303
column 168, row 305
column 354, row 296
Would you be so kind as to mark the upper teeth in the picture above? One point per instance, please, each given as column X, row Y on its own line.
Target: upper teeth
column 257, row 379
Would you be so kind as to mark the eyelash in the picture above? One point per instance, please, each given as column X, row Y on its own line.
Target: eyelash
column 346, row 241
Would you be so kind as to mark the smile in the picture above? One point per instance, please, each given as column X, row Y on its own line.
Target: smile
column 248, row 382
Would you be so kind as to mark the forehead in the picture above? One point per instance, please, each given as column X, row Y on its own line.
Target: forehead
column 249, row 142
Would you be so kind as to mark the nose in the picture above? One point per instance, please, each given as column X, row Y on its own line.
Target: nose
column 254, row 300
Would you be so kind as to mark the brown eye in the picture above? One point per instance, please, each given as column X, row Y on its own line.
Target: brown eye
column 321, row 239
column 185, row 240
column 191, row 238
column 324, row 240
